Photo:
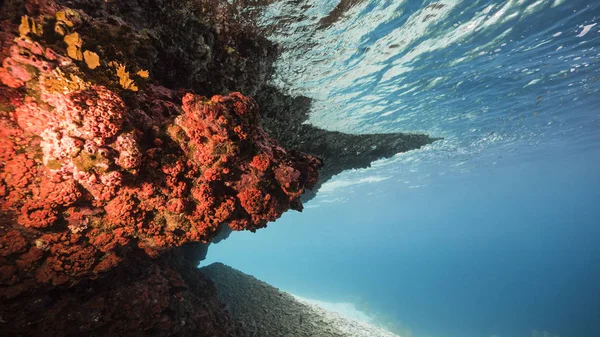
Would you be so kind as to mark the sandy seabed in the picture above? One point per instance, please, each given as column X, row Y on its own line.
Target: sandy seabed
column 265, row 311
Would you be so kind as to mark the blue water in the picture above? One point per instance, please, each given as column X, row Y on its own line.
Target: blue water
column 494, row 231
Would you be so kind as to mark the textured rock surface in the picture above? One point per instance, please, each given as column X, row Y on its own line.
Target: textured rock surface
column 203, row 45
column 95, row 169
column 263, row 310
column 104, row 169
column 142, row 297
column 283, row 117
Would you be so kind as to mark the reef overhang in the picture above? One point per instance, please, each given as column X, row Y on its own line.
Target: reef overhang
column 124, row 136
column 97, row 161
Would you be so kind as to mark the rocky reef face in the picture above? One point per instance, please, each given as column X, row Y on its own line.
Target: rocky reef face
column 91, row 170
column 166, row 296
column 203, row 45
column 284, row 117
column 126, row 147
column 103, row 169
column 263, row 310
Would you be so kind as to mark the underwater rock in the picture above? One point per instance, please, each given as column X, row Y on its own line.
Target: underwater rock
column 284, row 116
column 98, row 163
column 263, row 310
column 125, row 148
column 202, row 45
column 141, row 297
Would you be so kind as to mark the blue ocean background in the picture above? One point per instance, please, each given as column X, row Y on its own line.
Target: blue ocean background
column 492, row 231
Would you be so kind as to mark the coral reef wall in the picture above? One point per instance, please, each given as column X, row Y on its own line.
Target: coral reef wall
column 126, row 147
column 141, row 297
column 97, row 161
column 283, row 117
column 203, row 45
column 112, row 152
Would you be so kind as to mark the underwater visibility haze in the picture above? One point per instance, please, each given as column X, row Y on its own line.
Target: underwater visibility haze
column 493, row 230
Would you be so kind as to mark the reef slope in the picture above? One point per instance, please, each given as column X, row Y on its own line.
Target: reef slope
column 263, row 310
column 163, row 297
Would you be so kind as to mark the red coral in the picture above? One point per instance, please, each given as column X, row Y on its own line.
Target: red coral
column 27, row 262
column 59, row 192
column 123, row 210
column 254, row 201
column 239, row 224
column 12, row 242
column 175, row 205
column 17, row 172
column 69, row 257
column 261, row 162
column 85, row 178
column 104, row 241
column 289, row 180
column 109, row 261
column 37, row 214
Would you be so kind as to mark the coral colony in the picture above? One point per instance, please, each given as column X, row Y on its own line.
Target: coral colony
column 98, row 162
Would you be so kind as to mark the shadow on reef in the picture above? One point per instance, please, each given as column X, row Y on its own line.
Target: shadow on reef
column 142, row 297
column 117, row 165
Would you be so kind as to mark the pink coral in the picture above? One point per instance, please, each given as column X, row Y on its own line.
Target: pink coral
column 30, row 53
column 96, row 114
column 9, row 80
column 130, row 156
column 31, row 117
column 16, row 70
column 26, row 53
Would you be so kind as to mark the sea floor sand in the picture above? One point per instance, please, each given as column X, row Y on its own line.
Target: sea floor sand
column 265, row 311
